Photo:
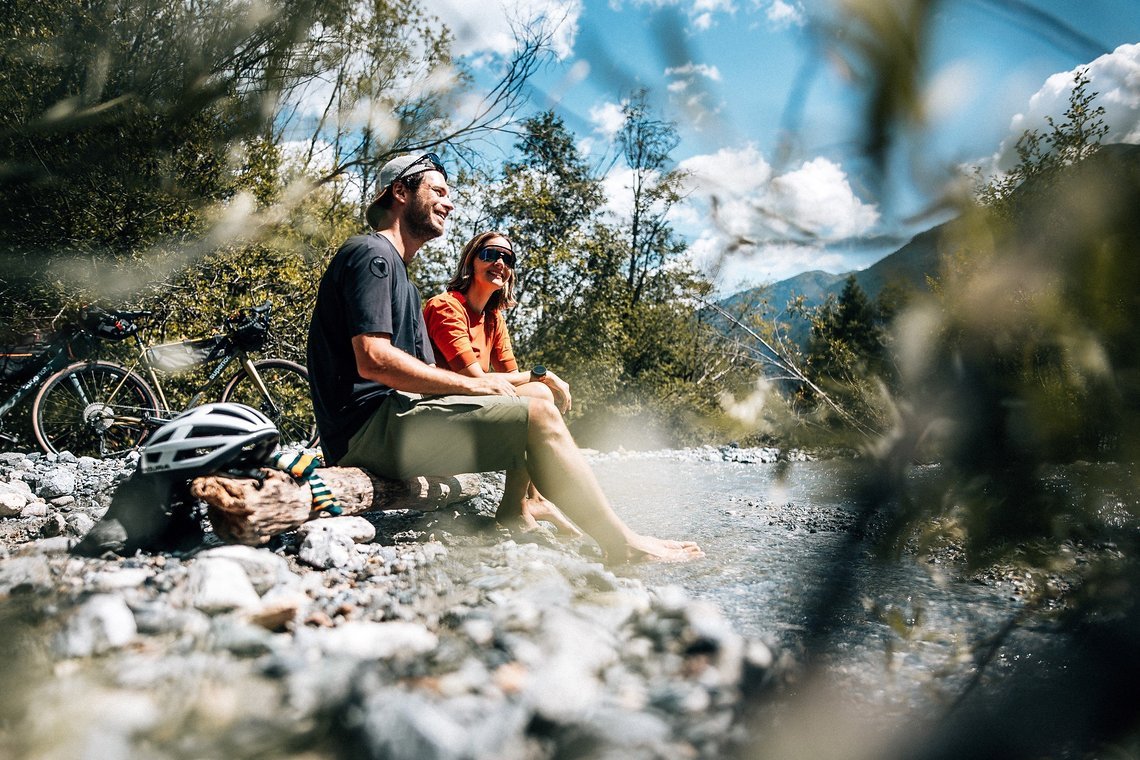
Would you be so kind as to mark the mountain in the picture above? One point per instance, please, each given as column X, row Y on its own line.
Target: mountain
column 908, row 267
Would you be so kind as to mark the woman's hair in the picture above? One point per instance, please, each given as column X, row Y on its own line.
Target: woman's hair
column 504, row 298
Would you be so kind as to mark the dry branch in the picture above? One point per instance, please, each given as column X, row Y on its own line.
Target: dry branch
column 244, row 511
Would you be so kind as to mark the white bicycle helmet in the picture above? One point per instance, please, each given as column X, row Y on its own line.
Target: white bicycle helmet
column 209, row 438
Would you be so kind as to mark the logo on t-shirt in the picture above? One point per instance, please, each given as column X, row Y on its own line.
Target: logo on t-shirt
column 378, row 267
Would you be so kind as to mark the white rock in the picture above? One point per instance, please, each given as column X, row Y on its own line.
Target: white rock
column 53, row 545
column 102, row 623
column 13, row 498
column 357, row 528
column 117, row 580
column 365, row 640
column 35, row 508
column 219, row 585
column 17, row 483
column 56, row 482
column 325, row 550
column 263, row 568
column 12, row 503
column 31, row 571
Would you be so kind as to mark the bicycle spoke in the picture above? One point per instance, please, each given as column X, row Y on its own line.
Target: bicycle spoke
column 289, row 405
column 95, row 409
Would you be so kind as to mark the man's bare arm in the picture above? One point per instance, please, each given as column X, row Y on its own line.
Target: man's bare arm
column 377, row 359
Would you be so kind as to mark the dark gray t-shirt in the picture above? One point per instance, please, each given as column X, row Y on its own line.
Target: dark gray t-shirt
column 364, row 290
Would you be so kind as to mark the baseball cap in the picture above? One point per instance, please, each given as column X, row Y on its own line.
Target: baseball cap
column 398, row 168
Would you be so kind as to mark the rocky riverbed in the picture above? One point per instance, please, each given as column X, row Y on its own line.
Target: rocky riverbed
column 397, row 636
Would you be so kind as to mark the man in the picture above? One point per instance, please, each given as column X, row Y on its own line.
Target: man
column 382, row 405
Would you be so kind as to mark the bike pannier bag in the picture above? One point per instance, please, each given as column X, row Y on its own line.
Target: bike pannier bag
column 19, row 361
column 173, row 357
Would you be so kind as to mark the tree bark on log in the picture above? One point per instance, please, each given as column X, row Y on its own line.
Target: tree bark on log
column 244, row 511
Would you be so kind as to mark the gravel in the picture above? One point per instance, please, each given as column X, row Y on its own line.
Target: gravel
column 395, row 635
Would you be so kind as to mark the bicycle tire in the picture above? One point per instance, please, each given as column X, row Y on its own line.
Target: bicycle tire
column 95, row 409
column 290, row 406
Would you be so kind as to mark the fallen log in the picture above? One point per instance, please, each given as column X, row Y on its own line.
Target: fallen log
column 245, row 511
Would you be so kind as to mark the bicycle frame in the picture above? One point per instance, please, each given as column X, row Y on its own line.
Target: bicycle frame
column 57, row 360
column 229, row 353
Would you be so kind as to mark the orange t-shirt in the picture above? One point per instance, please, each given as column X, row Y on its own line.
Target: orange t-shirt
column 461, row 336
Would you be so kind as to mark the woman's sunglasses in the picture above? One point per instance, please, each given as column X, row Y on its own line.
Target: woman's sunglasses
column 493, row 253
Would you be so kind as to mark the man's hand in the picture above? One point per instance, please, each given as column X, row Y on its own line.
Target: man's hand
column 377, row 359
column 491, row 384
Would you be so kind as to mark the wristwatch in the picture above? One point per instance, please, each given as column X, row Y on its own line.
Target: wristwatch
column 537, row 373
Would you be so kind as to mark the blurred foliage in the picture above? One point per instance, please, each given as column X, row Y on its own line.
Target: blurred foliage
column 118, row 123
column 1028, row 355
column 144, row 163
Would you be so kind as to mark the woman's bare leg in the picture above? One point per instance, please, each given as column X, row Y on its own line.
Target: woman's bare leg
column 559, row 469
column 522, row 503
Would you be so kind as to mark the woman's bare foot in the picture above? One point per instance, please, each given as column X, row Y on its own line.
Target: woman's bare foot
column 649, row 549
column 531, row 510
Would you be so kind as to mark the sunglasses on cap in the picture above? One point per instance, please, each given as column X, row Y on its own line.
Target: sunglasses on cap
column 493, row 253
column 426, row 162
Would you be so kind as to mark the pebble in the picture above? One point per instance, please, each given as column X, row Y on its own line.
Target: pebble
column 220, row 585
column 101, row 623
column 353, row 526
column 364, row 640
column 57, row 482
column 264, row 569
column 325, row 550
column 12, row 500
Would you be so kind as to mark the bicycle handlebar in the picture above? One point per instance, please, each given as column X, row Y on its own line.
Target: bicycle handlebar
column 109, row 325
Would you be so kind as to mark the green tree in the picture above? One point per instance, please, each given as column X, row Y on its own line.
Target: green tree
column 122, row 125
column 846, row 335
column 847, row 355
column 548, row 203
column 647, row 142
column 1041, row 156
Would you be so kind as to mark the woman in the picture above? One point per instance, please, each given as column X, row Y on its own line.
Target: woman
column 469, row 335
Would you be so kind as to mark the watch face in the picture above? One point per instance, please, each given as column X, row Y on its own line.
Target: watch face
column 538, row 370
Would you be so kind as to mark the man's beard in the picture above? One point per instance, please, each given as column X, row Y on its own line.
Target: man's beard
column 419, row 222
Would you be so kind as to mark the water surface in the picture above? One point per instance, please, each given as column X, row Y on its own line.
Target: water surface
column 904, row 635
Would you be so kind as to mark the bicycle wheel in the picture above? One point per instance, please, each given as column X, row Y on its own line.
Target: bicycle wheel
column 95, row 409
column 289, row 405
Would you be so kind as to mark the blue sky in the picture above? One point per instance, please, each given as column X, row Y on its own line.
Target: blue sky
column 770, row 119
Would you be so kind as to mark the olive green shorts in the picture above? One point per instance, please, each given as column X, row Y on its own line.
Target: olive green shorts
column 441, row 435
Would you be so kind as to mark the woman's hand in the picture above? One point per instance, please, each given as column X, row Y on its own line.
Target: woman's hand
column 561, row 390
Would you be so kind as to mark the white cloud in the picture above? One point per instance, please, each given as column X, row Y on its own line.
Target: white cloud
column 748, row 266
column 701, row 13
column 485, row 27
column 1115, row 75
column 818, row 200
column 783, row 14
column 607, row 119
column 692, row 70
column 745, row 166
column 750, row 224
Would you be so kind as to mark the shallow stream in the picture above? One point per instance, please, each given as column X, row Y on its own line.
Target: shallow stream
column 904, row 636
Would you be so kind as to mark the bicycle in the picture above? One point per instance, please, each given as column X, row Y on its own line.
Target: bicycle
column 30, row 362
column 101, row 408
